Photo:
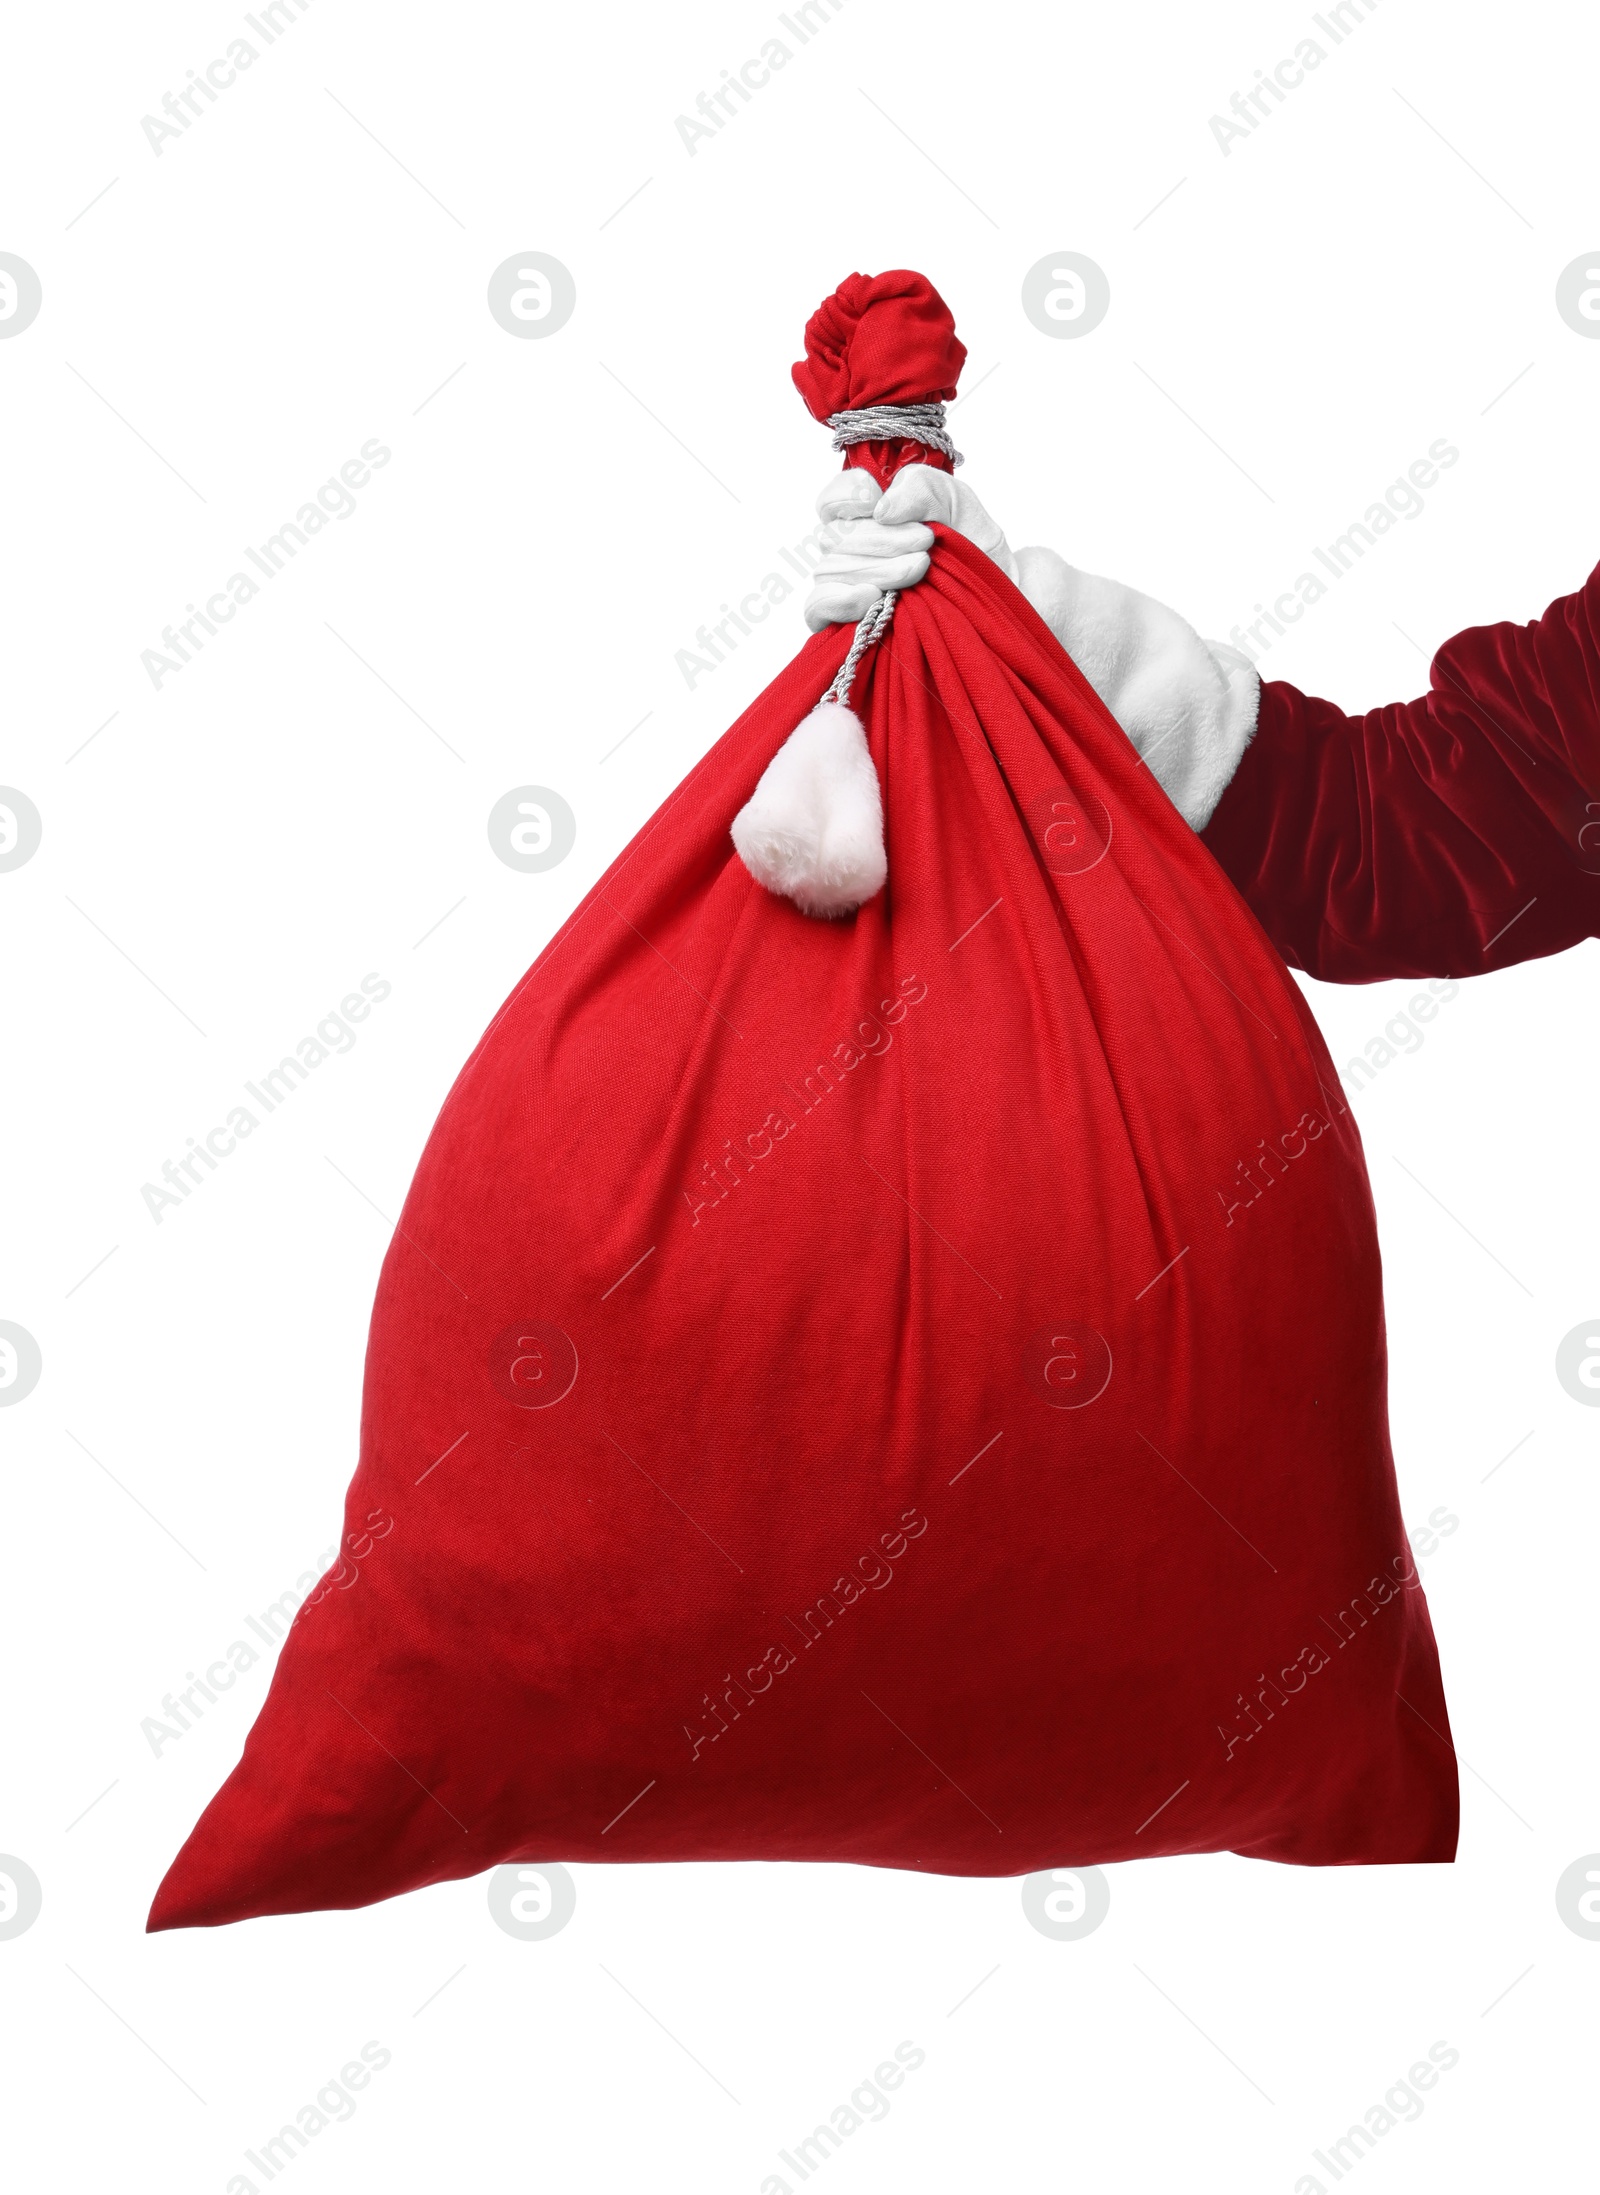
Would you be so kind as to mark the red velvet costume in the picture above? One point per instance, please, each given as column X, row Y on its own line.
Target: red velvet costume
column 1443, row 836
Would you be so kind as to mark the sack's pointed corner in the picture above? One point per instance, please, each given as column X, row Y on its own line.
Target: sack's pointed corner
column 812, row 831
column 248, row 1855
column 316, row 1816
column 168, row 1909
column 197, row 1891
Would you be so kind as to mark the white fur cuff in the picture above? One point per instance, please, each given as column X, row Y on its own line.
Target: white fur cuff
column 1188, row 705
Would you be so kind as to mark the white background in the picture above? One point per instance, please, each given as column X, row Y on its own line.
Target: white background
column 307, row 800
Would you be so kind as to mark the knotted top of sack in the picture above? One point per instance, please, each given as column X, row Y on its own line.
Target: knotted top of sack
column 881, row 339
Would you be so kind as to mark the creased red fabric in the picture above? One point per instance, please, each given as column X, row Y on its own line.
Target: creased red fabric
column 879, row 339
column 957, row 1344
column 884, row 459
column 1443, row 836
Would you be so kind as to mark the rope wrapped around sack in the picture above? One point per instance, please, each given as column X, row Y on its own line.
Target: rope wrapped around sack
column 922, row 423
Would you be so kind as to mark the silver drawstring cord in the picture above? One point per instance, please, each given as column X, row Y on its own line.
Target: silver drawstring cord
column 871, row 628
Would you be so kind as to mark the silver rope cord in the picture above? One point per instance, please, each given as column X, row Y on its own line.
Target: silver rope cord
column 922, row 423
column 871, row 628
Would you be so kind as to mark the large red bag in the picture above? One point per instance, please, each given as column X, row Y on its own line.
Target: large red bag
column 907, row 1390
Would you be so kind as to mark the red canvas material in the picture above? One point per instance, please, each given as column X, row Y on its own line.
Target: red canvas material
column 907, row 1390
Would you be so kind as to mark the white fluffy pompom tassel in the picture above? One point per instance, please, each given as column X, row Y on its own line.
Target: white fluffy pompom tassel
column 812, row 830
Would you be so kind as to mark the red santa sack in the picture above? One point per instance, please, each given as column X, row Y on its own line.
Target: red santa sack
column 907, row 1389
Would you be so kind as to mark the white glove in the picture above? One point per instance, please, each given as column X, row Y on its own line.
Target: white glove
column 867, row 557
column 1188, row 705
column 922, row 491
column 882, row 538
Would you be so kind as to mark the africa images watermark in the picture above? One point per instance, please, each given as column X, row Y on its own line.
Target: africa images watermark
column 872, row 1570
column 1292, row 1143
column 714, row 644
column 333, row 1033
column 720, row 1175
column 333, row 2100
column 1250, row 109
column 717, row 109
column 1400, row 2101
column 180, row 1711
column 1311, row 1660
column 335, row 499
column 1400, row 1034
column 183, row 109
column 866, row 2102
column 1402, row 499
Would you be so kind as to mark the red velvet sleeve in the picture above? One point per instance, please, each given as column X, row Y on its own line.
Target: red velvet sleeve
column 1443, row 836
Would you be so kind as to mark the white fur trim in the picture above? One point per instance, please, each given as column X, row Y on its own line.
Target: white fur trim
column 1188, row 705
column 813, row 828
